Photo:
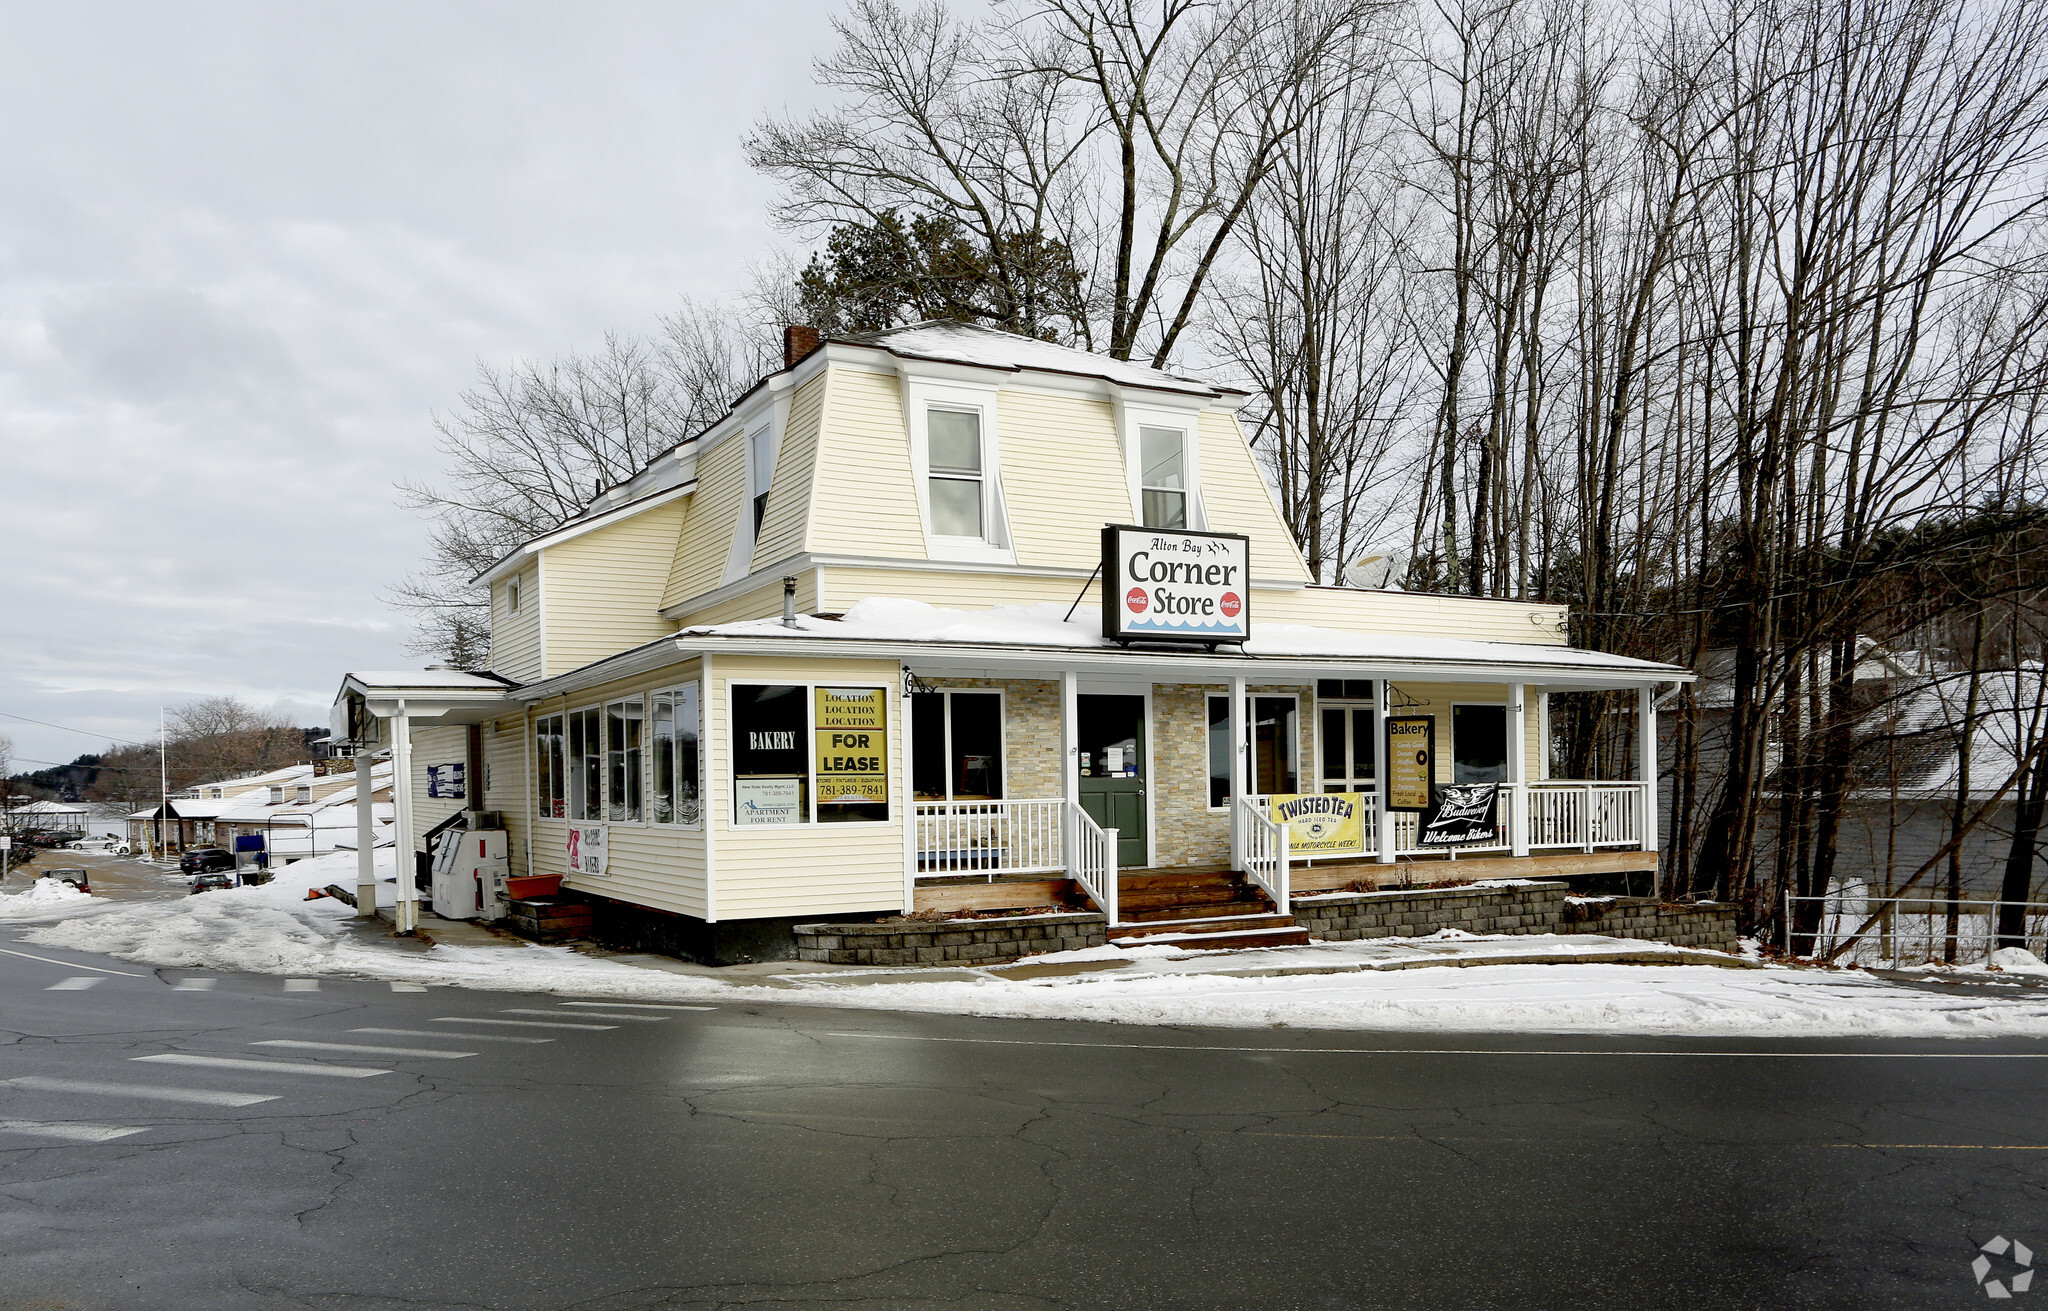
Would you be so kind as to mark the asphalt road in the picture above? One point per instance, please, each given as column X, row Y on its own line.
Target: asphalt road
column 169, row 1140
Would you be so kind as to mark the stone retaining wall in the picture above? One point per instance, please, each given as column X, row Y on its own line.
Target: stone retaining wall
column 1526, row 908
column 948, row 942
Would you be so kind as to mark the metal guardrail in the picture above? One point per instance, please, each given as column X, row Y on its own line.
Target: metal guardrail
column 1913, row 930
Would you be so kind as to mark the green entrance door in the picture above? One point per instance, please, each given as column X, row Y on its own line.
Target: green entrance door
column 1111, row 733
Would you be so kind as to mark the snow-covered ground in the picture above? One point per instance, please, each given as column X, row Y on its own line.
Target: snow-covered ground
column 273, row 930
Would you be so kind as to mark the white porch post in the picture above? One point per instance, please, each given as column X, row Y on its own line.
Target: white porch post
column 909, row 793
column 366, row 834
column 1239, row 717
column 405, row 907
column 1518, row 770
column 1646, row 761
column 1383, row 819
column 1070, row 768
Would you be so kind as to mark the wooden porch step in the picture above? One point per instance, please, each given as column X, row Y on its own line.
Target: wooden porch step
column 1217, row 896
column 1244, row 905
column 1274, row 937
column 1257, row 919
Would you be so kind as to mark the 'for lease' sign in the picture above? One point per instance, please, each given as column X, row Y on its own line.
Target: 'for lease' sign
column 1170, row 584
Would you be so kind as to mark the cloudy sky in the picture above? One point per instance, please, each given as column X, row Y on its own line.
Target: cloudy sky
column 247, row 250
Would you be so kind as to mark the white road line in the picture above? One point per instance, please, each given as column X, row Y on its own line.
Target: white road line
column 1449, row 1051
column 146, row 1092
column 302, row 985
column 271, row 1067
column 437, row 1033
column 639, row 1006
column 600, row 1015
column 423, row 1052
column 195, row 985
column 78, row 984
column 73, row 964
column 77, row 1133
column 408, row 987
column 525, row 1024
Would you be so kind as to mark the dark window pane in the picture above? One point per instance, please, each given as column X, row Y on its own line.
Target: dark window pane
column 1479, row 737
column 770, row 741
column 1364, row 743
column 1273, row 739
column 1333, row 741
column 1358, row 689
column 928, row 745
column 1330, row 688
column 1219, row 750
column 977, row 745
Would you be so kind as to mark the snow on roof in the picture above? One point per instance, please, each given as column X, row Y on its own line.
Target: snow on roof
column 433, row 678
column 49, row 808
column 897, row 619
column 966, row 343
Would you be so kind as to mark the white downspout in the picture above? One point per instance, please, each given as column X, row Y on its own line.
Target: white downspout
column 1070, row 767
column 1518, row 771
column 1383, row 773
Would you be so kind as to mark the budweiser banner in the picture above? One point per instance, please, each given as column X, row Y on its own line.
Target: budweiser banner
column 1460, row 814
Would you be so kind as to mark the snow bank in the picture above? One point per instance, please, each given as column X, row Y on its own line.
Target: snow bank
column 46, row 900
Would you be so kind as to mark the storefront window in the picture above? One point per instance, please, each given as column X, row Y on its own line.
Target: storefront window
column 1164, row 481
column 957, row 746
column 1272, row 736
column 1479, row 744
column 954, row 445
column 770, row 754
column 623, row 721
column 586, row 764
column 851, row 756
column 1219, row 751
column 674, row 740
column 549, row 780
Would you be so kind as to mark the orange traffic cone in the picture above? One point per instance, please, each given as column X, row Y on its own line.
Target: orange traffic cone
column 314, row 894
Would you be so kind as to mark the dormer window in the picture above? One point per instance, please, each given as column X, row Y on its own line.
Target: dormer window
column 1163, row 480
column 957, row 493
column 760, row 474
column 512, row 595
column 277, row 796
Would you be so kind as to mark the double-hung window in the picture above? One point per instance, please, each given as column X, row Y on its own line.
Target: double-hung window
column 623, row 721
column 956, row 746
column 953, row 444
column 512, row 595
column 586, row 764
column 1162, row 460
column 674, row 739
column 550, row 776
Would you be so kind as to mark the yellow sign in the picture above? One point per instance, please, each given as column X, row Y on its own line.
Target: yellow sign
column 1321, row 823
column 851, row 756
column 1411, row 744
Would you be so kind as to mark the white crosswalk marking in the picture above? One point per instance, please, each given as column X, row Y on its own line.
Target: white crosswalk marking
column 601, row 1015
column 146, row 1092
column 639, row 1006
column 272, row 1067
column 77, row 1133
column 427, row 1053
column 79, row 984
column 302, row 985
column 408, row 987
column 524, row 1024
column 196, row 985
column 436, row 1033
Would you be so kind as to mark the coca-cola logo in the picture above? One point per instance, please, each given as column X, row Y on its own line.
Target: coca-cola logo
column 1230, row 605
column 1137, row 600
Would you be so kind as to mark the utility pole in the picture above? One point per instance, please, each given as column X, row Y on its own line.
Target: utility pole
column 163, row 781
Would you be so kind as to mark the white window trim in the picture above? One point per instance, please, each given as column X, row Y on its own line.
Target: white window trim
column 512, row 589
column 1186, row 490
column 1002, row 741
column 645, row 761
column 811, row 822
column 1251, row 726
column 1316, row 731
column 675, row 689
column 1224, row 697
column 1133, row 414
column 920, row 396
column 569, row 772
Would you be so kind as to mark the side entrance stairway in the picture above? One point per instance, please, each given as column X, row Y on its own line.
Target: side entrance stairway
column 1215, row 909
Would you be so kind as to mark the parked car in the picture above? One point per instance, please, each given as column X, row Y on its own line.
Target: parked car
column 204, row 860
column 211, row 883
column 74, row 876
column 104, row 846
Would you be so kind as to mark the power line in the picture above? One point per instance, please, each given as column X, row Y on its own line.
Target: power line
column 107, row 737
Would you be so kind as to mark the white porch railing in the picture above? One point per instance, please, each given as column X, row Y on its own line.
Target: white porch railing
column 990, row 837
column 1576, row 815
column 1094, row 863
column 1264, row 850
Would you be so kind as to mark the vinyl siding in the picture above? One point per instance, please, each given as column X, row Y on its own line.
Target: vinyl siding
column 505, row 788
column 818, row 869
column 704, row 539
column 1063, row 476
column 515, row 639
column 863, row 499
column 1235, row 499
column 607, row 587
column 763, row 602
column 965, row 591
column 434, row 746
column 659, row 866
column 784, row 526
column 1413, row 614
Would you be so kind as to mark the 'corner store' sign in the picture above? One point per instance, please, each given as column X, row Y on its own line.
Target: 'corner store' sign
column 1173, row 585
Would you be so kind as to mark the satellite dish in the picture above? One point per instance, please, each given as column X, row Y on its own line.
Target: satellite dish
column 1381, row 569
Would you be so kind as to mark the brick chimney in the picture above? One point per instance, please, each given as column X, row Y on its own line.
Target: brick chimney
column 797, row 342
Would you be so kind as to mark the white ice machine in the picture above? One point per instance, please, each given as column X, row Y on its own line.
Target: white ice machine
column 470, row 869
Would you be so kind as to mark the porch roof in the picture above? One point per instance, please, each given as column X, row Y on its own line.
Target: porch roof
column 1041, row 639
